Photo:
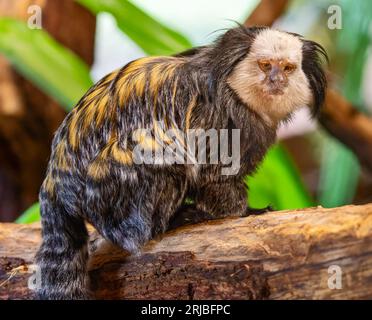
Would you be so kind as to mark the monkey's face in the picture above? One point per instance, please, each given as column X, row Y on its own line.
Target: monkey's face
column 277, row 73
column 270, row 79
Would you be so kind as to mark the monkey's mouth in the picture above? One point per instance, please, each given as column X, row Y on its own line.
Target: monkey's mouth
column 276, row 91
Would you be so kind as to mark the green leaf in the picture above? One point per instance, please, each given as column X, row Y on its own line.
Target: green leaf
column 338, row 183
column 354, row 42
column 152, row 36
column 277, row 183
column 36, row 55
column 32, row 214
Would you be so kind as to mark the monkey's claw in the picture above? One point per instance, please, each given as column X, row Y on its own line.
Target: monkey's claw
column 253, row 211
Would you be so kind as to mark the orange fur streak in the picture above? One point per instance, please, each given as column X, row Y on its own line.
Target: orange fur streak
column 189, row 111
column 49, row 184
column 160, row 136
column 140, row 83
column 150, row 144
column 73, row 130
column 93, row 94
column 87, row 110
column 83, row 116
column 60, row 154
column 95, row 108
column 102, row 109
column 160, row 72
column 157, row 74
column 121, row 156
column 124, row 90
column 100, row 87
column 111, row 76
column 87, row 115
column 174, row 96
column 98, row 169
column 146, row 141
column 133, row 78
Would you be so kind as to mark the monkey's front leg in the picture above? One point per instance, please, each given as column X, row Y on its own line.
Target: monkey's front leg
column 216, row 201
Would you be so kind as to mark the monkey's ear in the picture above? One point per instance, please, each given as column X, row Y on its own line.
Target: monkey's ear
column 314, row 56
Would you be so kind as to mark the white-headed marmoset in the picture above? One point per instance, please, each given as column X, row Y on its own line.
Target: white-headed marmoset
column 250, row 79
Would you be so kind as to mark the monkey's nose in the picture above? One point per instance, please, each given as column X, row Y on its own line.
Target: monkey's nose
column 276, row 75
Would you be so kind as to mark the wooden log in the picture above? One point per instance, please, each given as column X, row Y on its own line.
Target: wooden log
column 278, row 255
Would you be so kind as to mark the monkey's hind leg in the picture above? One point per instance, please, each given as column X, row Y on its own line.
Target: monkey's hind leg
column 133, row 210
column 63, row 254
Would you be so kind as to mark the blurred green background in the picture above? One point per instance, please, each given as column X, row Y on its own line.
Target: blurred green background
column 306, row 168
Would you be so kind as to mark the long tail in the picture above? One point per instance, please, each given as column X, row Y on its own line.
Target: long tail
column 62, row 257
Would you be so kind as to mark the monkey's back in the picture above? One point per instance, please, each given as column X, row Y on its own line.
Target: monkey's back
column 96, row 136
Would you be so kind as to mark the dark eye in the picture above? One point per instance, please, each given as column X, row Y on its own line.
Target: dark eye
column 264, row 65
column 289, row 68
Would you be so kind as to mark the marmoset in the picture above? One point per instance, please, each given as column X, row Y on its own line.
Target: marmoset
column 249, row 79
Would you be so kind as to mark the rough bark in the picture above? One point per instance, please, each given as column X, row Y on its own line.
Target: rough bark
column 278, row 255
column 28, row 117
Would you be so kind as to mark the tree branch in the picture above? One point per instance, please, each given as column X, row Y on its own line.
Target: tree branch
column 348, row 125
column 278, row 255
column 266, row 13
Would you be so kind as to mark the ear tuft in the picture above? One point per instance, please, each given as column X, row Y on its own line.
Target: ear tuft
column 314, row 56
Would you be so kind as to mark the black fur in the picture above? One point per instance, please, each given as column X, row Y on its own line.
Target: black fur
column 313, row 54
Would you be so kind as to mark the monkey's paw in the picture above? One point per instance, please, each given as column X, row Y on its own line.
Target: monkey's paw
column 253, row 211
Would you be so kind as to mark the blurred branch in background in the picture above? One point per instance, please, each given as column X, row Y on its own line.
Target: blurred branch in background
column 267, row 12
column 350, row 126
column 29, row 117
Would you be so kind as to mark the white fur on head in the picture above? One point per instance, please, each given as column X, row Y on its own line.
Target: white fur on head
column 247, row 79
